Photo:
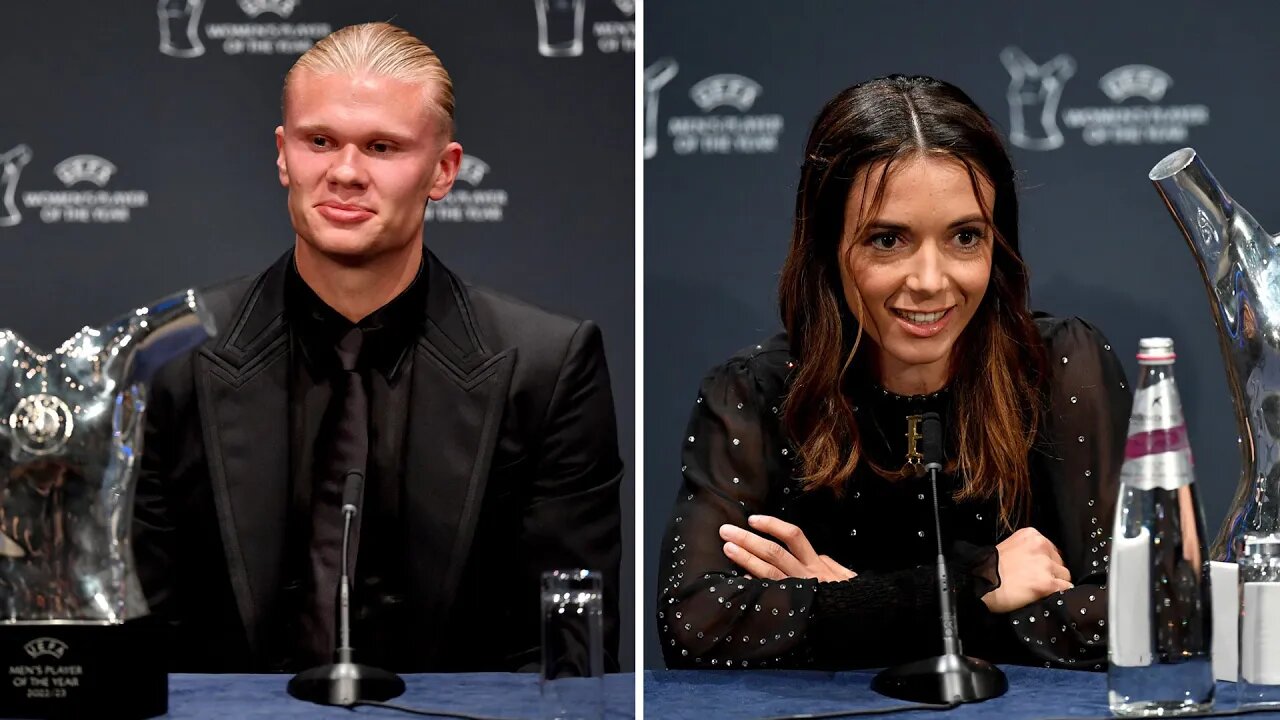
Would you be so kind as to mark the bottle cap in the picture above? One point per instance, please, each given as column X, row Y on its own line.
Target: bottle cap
column 1266, row 545
column 1155, row 350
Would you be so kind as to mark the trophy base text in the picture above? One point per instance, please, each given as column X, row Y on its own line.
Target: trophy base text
column 55, row 670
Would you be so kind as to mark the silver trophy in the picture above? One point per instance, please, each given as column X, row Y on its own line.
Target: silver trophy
column 71, row 425
column 1240, row 265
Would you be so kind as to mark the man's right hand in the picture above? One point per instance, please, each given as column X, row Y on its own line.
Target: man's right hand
column 1030, row 569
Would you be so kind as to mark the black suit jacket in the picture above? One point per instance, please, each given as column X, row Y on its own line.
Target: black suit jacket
column 511, row 465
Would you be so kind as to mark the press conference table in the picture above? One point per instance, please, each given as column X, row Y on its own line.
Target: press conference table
column 751, row 694
column 507, row 695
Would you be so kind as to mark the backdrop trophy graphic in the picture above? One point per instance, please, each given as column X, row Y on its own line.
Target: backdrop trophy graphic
column 75, row 639
column 1240, row 265
column 656, row 77
column 559, row 27
column 11, row 164
column 180, row 27
column 1033, row 94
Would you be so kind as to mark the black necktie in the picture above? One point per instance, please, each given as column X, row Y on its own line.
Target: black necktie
column 351, row 435
column 348, row 449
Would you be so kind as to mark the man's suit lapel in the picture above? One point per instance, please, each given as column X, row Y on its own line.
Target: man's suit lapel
column 242, row 383
column 458, row 395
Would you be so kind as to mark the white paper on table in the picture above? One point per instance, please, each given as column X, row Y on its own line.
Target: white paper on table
column 1129, row 600
column 1223, row 582
column 1260, row 634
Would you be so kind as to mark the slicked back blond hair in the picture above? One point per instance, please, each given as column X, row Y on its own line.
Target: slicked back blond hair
column 383, row 50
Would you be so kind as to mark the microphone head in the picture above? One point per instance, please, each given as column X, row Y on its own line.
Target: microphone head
column 352, row 489
column 931, row 439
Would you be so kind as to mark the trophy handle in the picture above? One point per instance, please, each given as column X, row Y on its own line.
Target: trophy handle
column 138, row 344
column 1240, row 266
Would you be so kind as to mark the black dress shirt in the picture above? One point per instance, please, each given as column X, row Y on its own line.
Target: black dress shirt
column 378, row 539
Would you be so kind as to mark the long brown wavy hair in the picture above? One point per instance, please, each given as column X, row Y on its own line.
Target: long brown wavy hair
column 997, row 367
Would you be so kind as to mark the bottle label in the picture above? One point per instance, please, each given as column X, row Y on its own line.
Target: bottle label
column 1156, row 442
column 1129, row 616
column 1260, row 633
column 1156, row 407
column 1157, row 453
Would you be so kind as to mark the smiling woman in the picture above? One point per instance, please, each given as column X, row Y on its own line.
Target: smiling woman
column 915, row 272
column 803, row 531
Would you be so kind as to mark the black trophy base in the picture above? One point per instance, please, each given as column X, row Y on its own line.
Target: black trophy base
column 345, row 684
column 942, row 680
column 81, row 671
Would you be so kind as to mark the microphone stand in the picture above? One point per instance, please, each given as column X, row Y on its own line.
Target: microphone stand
column 952, row 677
column 346, row 682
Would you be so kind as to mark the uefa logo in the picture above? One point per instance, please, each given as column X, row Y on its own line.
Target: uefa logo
column 729, row 123
column 472, row 170
column 45, row 647
column 84, row 168
column 1130, row 81
column 42, row 424
column 279, row 8
column 733, row 91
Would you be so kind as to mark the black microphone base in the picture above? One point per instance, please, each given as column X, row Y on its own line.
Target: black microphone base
column 345, row 684
column 942, row 680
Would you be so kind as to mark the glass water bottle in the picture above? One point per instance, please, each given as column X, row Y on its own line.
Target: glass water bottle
column 1160, row 635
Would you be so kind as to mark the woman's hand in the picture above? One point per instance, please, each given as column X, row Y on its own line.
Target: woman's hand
column 1030, row 569
column 767, row 559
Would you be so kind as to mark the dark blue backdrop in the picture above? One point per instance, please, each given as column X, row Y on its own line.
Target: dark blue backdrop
column 1132, row 81
column 177, row 100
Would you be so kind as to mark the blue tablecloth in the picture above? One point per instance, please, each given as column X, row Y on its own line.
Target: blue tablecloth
column 508, row 695
column 748, row 694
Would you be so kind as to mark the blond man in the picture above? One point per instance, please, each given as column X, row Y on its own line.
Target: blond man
column 483, row 428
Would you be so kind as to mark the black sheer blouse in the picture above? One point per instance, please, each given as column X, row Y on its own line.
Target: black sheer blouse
column 737, row 461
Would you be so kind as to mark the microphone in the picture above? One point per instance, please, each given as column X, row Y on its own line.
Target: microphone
column 931, row 441
column 952, row 677
column 346, row 682
column 352, row 492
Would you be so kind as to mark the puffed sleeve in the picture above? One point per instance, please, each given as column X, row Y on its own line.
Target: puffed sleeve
column 1076, row 479
column 709, row 613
